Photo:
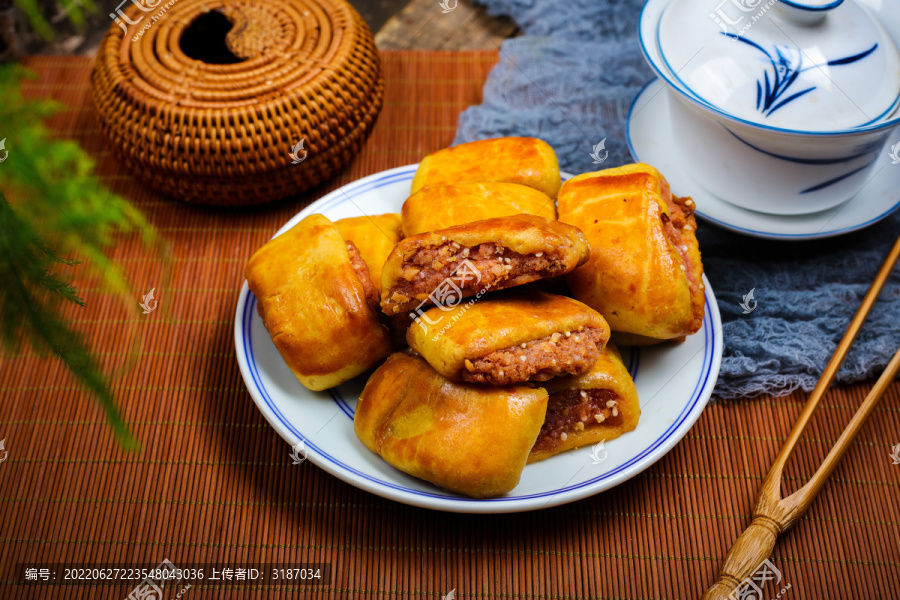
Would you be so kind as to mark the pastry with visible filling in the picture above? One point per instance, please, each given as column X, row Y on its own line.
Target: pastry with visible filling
column 524, row 160
column 644, row 274
column 469, row 439
column 318, row 303
column 450, row 205
column 600, row 405
column 510, row 338
column 374, row 238
column 442, row 266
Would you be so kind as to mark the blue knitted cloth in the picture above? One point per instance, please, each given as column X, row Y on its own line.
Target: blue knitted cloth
column 570, row 80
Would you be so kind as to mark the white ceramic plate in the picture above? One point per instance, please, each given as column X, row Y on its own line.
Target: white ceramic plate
column 674, row 383
column 651, row 141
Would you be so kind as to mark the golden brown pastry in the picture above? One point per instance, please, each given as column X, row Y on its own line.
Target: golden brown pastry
column 510, row 338
column 317, row 304
column 600, row 405
column 644, row 274
column 375, row 237
column 468, row 439
column 450, row 205
column 524, row 160
column 495, row 254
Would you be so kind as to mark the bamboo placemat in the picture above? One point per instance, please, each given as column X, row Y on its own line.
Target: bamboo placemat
column 214, row 483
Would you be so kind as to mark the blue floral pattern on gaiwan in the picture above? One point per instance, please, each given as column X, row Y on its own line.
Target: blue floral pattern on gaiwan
column 787, row 65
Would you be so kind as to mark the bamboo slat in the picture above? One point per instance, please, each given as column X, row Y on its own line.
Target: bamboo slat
column 214, row 483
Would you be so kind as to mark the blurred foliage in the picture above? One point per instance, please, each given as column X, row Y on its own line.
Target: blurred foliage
column 75, row 11
column 57, row 207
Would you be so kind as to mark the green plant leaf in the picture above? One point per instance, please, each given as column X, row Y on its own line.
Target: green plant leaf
column 28, row 310
column 75, row 11
column 36, row 18
column 57, row 207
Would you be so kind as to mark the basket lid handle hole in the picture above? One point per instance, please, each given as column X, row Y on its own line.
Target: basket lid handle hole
column 204, row 39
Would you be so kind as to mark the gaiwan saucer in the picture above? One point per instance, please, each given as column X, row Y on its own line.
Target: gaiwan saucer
column 651, row 141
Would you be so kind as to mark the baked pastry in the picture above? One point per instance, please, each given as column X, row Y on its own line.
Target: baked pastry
column 440, row 267
column 644, row 274
column 510, row 338
column 318, row 304
column 450, row 205
column 468, row 439
column 600, row 405
column 525, row 160
column 374, row 237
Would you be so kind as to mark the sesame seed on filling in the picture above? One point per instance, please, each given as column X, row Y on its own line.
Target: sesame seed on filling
column 429, row 266
column 538, row 360
column 572, row 410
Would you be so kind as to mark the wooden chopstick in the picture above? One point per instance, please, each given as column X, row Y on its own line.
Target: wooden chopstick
column 772, row 514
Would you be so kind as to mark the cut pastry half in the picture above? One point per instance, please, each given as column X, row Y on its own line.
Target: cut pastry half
column 440, row 267
column 510, row 338
column 583, row 411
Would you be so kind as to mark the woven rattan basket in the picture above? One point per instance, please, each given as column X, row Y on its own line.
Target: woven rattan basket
column 216, row 133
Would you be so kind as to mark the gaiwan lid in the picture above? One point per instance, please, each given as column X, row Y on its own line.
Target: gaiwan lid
column 807, row 65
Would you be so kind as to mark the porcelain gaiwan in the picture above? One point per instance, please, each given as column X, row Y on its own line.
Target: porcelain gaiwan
column 781, row 106
column 823, row 69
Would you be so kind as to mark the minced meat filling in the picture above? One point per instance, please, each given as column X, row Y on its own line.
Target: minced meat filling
column 430, row 266
column 573, row 410
column 362, row 272
column 680, row 211
column 568, row 353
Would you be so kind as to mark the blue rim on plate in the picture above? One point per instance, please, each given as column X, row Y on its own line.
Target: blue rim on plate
column 825, row 233
column 709, row 352
column 372, row 482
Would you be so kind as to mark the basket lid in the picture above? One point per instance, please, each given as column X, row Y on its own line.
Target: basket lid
column 209, row 100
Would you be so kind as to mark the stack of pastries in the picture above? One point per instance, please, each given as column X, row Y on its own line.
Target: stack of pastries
column 493, row 297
